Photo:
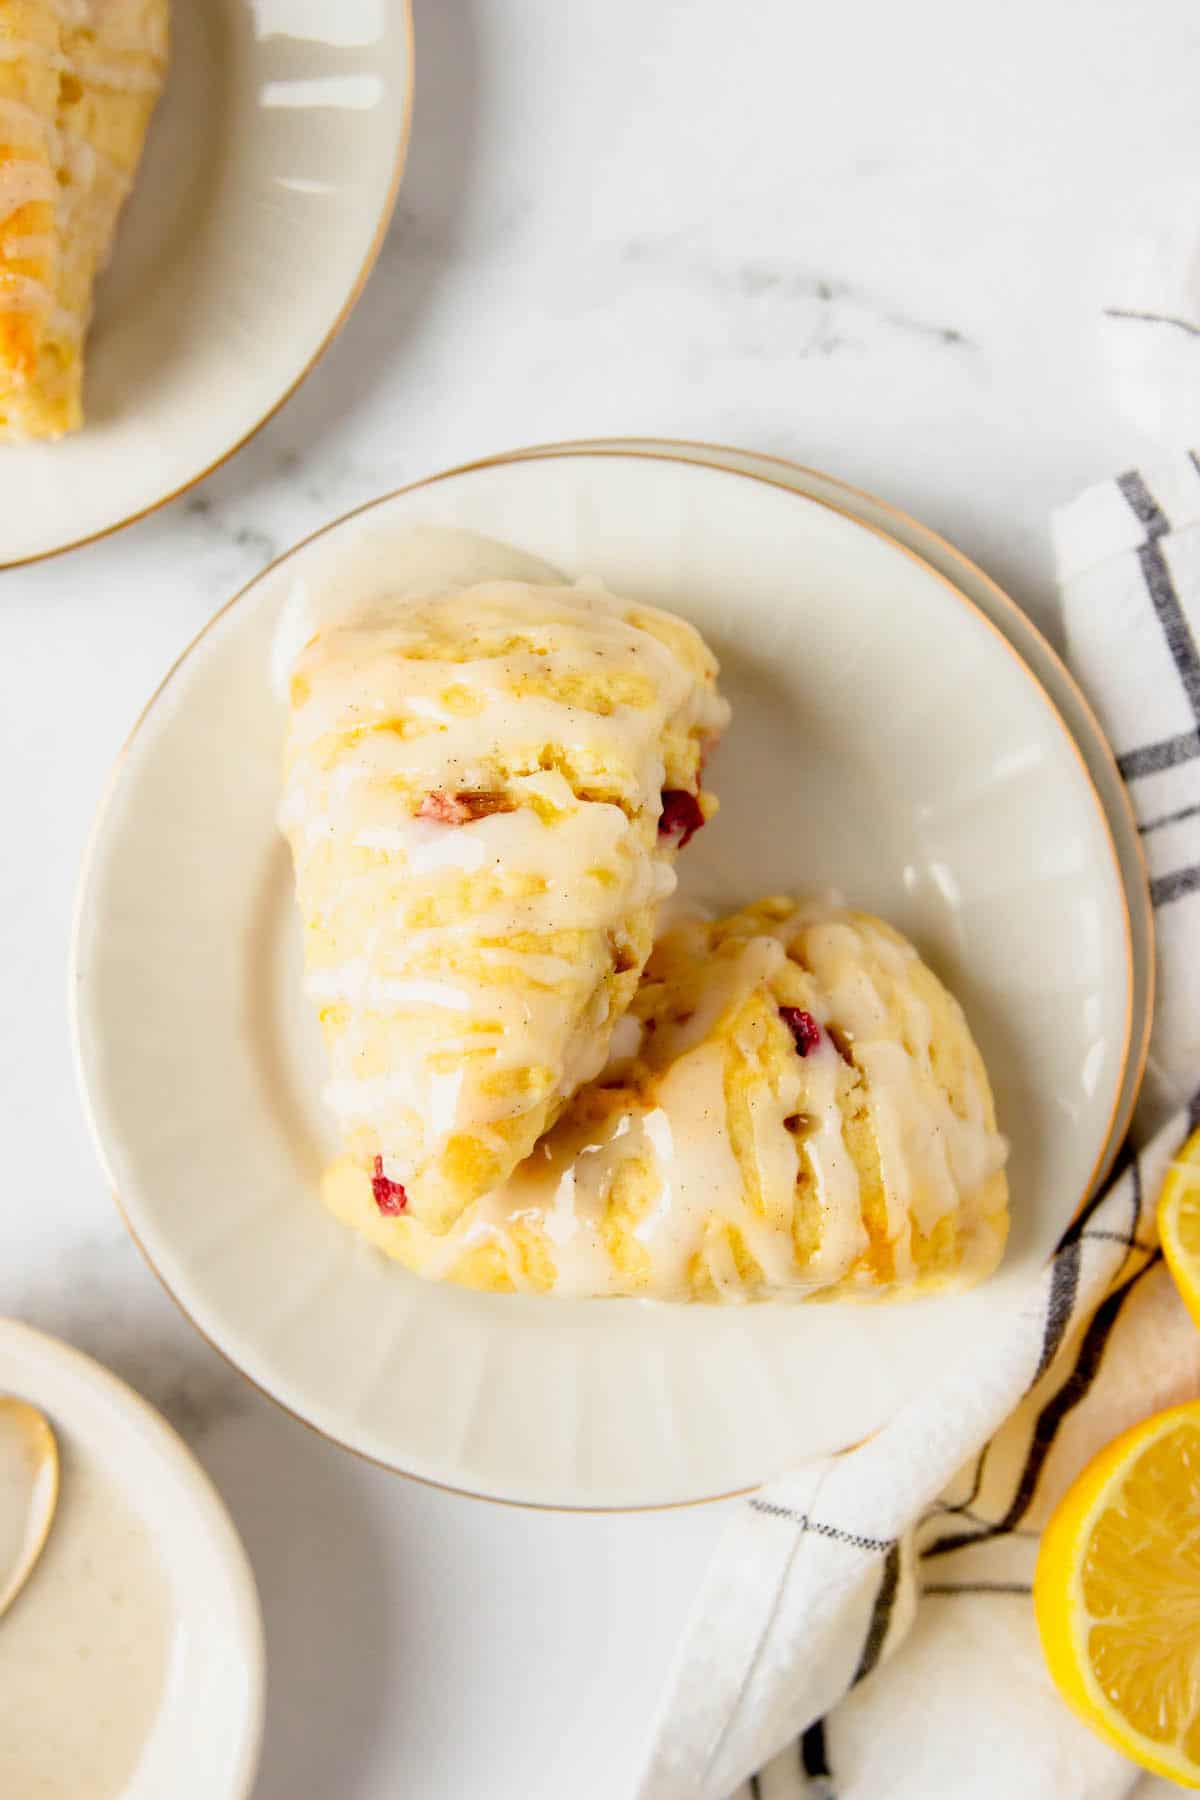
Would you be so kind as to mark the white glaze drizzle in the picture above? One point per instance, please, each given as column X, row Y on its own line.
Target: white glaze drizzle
column 18, row 112
column 587, row 868
column 21, row 50
column 933, row 1162
column 118, row 45
column 22, row 180
column 17, row 292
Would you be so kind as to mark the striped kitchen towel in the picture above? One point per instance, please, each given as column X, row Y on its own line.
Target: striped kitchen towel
column 1128, row 557
column 866, row 1631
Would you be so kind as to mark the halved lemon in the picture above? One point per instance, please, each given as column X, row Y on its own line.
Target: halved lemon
column 1117, row 1594
column 1179, row 1222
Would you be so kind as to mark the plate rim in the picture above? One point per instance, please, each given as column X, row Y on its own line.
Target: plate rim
column 333, row 331
column 46, row 1348
column 536, row 453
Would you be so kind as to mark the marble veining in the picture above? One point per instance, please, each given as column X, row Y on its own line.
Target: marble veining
column 1152, row 318
column 839, row 300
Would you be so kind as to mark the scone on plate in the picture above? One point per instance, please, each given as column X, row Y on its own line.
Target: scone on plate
column 795, row 1105
column 78, row 82
column 484, row 794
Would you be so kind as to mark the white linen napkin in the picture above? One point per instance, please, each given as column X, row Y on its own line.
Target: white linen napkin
column 909, row 1560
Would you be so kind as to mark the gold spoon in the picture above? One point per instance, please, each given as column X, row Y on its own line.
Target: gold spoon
column 28, row 1492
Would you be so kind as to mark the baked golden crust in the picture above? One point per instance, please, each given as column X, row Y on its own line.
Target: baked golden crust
column 78, row 83
column 475, row 802
column 803, row 1111
column 30, row 75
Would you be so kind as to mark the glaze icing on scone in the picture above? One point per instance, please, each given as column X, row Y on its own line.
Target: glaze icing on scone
column 474, row 786
column 78, row 82
column 794, row 1104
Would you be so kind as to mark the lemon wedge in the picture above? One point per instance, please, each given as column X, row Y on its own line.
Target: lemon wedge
column 1117, row 1594
column 1179, row 1223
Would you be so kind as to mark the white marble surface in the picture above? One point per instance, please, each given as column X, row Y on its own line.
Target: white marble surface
column 898, row 243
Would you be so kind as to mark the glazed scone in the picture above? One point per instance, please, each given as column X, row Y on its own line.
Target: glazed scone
column 484, row 794
column 800, row 1109
column 78, row 83
column 30, row 37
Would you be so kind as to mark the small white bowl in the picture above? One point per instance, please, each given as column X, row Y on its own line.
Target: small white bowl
column 886, row 740
column 204, row 1741
column 268, row 180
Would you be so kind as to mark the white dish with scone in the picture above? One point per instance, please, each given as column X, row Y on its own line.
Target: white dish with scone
column 245, row 234
column 859, row 757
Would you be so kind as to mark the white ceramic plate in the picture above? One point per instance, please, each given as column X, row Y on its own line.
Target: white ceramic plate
column 1025, row 638
column 204, row 1742
column 886, row 739
column 268, row 180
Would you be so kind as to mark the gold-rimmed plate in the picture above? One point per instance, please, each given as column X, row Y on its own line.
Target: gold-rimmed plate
column 886, row 738
column 268, row 180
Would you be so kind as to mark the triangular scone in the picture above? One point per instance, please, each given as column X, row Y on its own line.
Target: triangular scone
column 485, row 791
column 30, row 44
column 78, row 82
column 795, row 1106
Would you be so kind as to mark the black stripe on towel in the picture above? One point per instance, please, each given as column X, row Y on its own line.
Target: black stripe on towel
column 1064, row 1286
column 1152, row 759
column 1143, row 505
column 1138, row 1191
column 814, row 1756
column 1175, row 627
column 1079, row 1224
column 755, row 1788
column 820, row 1527
column 1118, row 1237
column 959, row 1509
column 1175, row 818
column 881, row 1616
column 1073, row 1390
column 940, row 1507
column 964, row 1506
column 977, row 1587
column 1175, row 886
column 1064, row 1283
